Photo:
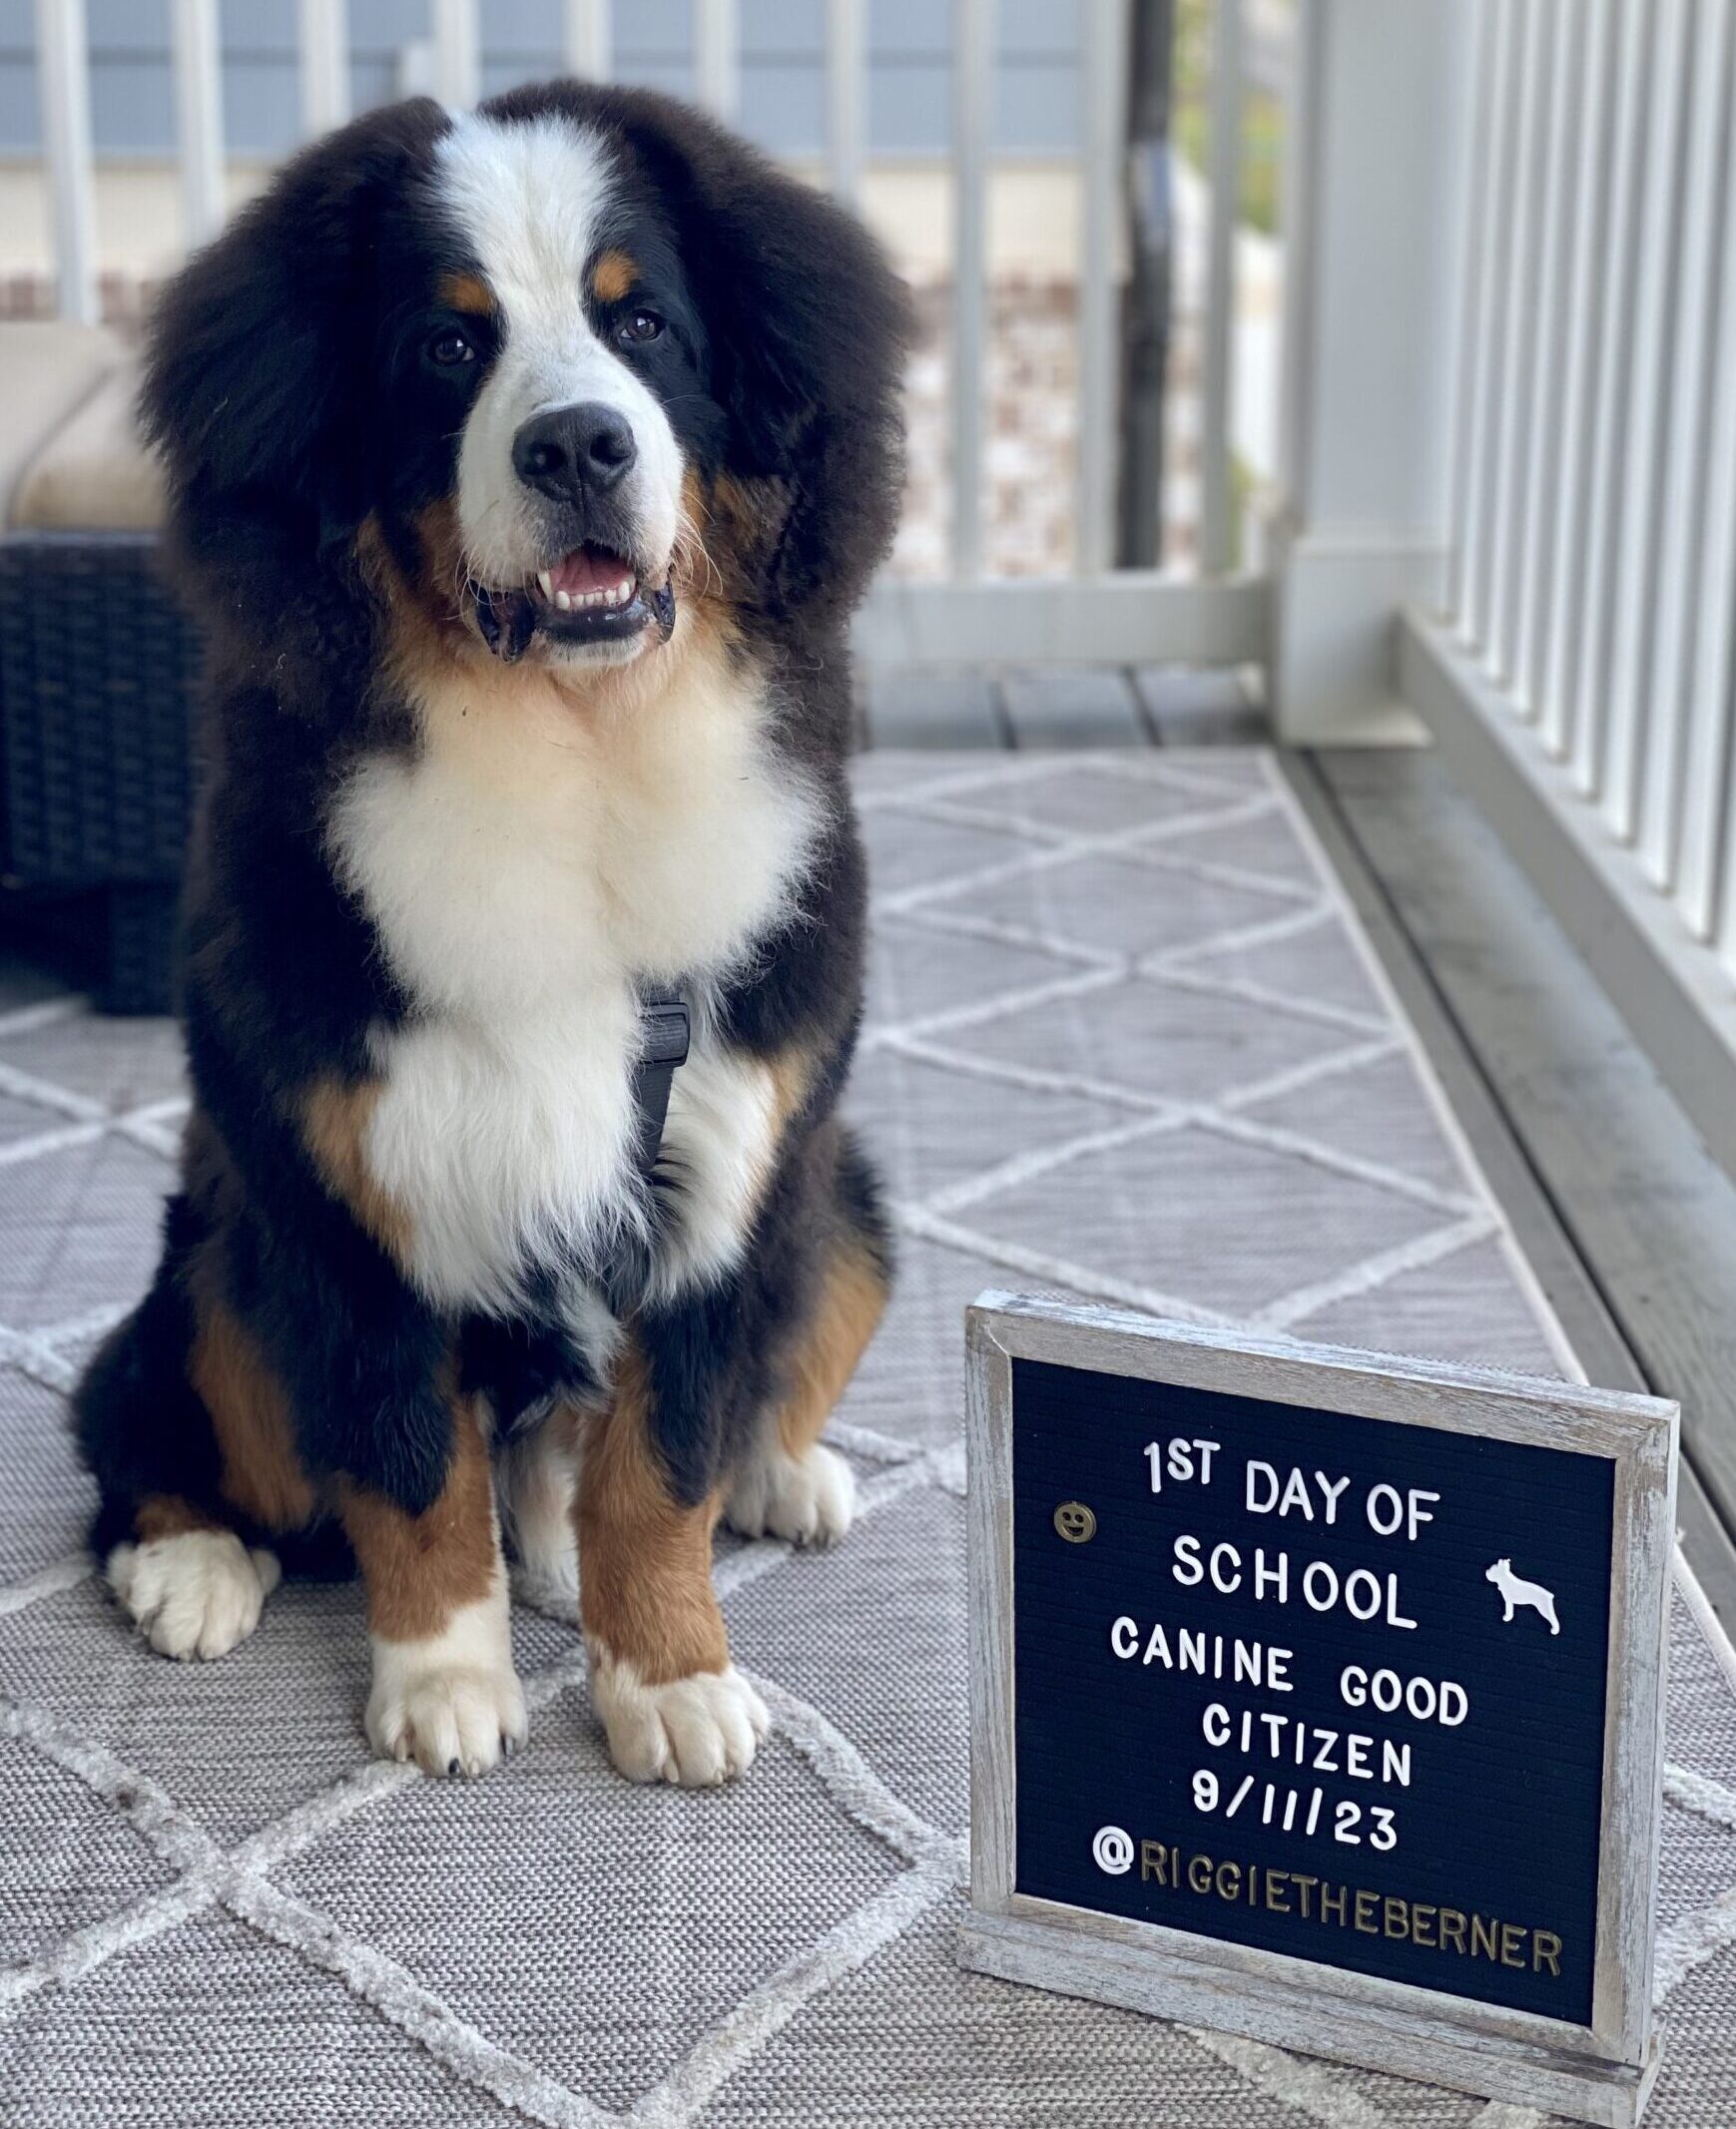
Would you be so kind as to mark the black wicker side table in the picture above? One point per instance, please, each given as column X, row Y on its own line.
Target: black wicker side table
column 97, row 669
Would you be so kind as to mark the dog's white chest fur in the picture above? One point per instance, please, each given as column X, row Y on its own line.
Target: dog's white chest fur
column 525, row 871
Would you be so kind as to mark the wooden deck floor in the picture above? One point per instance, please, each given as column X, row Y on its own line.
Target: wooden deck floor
column 933, row 706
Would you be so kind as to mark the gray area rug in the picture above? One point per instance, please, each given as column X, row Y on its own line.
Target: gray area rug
column 1123, row 1044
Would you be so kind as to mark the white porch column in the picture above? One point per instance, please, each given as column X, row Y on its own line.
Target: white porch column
column 1381, row 125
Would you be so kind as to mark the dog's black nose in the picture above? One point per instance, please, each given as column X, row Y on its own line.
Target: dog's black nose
column 572, row 451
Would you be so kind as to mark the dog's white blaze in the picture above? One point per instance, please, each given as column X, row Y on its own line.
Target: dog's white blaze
column 525, row 871
column 533, row 200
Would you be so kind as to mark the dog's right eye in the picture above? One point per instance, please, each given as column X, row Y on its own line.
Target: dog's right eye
column 449, row 348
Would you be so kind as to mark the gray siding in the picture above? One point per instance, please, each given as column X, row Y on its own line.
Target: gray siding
column 782, row 78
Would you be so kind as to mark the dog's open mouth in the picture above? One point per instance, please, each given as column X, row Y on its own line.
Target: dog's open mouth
column 587, row 596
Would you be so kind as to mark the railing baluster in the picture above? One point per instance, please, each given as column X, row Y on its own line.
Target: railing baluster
column 198, row 117
column 972, row 84
column 457, row 53
column 1217, row 532
column 716, row 57
column 1726, row 913
column 63, row 86
column 1709, row 738
column 1103, row 42
column 1491, row 383
column 847, row 97
column 1634, row 580
column 1549, row 401
column 589, row 44
column 1519, row 357
column 324, row 40
column 1593, row 99
column 1684, row 492
column 1603, row 510
column 1469, row 372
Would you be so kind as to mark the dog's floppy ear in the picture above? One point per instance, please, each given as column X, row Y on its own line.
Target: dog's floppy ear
column 256, row 347
column 808, row 327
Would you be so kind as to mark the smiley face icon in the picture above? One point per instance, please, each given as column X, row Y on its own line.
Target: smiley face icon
column 1075, row 1522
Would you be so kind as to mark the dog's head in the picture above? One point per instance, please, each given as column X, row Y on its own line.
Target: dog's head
column 564, row 361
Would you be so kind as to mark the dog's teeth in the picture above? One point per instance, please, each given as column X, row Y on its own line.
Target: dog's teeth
column 564, row 601
column 547, row 579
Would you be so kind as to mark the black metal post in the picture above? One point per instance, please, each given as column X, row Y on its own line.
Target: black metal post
column 1146, row 311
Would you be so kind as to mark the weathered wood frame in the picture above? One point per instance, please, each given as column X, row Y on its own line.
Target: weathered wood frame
column 1600, row 2072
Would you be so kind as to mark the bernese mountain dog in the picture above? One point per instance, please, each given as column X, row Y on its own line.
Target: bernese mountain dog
column 525, row 467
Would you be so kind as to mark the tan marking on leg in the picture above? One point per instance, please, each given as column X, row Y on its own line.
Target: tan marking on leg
column 645, row 1559
column 444, row 1691
column 468, row 292
column 824, row 1356
column 612, row 278
column 788, row 1483
column 420, row 1569
column 249, row 1416
column 164, row 1515
column 334, row 1120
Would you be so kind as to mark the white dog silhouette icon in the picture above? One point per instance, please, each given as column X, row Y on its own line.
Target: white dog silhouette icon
column 1516, row 1591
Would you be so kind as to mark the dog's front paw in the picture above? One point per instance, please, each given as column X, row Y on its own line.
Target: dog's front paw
column 449, row 1722
column 697, row 1731
column 808, row 1499
column 451, row 1716
column 197, row 1593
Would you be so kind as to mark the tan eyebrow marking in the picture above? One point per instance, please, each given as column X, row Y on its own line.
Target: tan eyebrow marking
column 612, row 276
column 466, row 291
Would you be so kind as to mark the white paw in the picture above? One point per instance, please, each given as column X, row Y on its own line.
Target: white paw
column 452, row 1703
column 448, row 1721
column 810, row 1499
column 697, row 1731
column 195, row 1594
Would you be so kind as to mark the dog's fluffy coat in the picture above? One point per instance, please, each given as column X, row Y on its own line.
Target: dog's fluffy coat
column 453, row 830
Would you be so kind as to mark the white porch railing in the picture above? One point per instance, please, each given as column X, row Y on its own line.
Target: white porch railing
column 1579, row 669
column 1097, row 613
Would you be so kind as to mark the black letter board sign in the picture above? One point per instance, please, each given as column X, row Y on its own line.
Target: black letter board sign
column 1318, row 1695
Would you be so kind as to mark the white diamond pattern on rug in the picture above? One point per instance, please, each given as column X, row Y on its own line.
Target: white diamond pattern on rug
column 1152, row 1038
column 1120, row 1044
column 600, row 1966
column 916, row 973
column 1196, row 1217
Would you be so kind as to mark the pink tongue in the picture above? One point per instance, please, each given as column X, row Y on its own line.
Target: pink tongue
column 588, row 570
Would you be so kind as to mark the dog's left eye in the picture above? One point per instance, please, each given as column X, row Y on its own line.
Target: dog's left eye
column 642, row 325
column 449, row 348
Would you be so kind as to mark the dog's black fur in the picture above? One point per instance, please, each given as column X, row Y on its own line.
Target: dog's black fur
column 308, row 455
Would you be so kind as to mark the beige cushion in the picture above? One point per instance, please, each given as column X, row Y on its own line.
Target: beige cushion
column 46, row 373
column 94, row 473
